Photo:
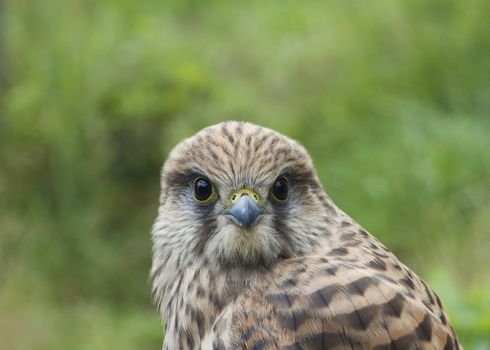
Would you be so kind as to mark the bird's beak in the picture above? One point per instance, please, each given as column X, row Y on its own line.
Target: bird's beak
column 244, row 210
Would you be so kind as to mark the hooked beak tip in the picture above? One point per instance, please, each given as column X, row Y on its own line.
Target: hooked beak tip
column 244, row 213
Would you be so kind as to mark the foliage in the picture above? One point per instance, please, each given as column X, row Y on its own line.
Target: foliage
column 390, row 97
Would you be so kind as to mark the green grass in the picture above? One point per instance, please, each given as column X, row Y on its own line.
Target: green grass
column 390, row 98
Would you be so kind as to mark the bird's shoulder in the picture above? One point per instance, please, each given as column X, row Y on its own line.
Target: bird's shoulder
column 353, row 296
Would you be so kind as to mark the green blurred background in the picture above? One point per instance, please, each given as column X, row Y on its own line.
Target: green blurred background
column 392, row 98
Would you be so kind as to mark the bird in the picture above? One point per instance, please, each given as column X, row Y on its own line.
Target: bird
column 249, row 252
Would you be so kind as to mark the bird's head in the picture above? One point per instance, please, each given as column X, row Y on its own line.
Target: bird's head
column 237, row 194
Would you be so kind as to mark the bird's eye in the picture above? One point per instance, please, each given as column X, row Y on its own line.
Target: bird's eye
column 280, row 189
column 203, row 190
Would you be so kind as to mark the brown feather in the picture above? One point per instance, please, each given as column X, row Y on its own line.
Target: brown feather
column 305, row 277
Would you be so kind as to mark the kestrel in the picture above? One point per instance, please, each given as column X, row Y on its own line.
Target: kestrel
column 250, row 253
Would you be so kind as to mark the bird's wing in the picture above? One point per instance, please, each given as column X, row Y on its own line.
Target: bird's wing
column 334, row 303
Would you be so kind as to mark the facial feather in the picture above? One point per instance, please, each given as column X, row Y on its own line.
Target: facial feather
column 233, row 156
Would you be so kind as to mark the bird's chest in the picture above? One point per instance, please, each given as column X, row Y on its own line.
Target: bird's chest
column 196, row 299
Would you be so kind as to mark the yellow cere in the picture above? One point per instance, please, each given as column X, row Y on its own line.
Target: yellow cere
column 244, row 191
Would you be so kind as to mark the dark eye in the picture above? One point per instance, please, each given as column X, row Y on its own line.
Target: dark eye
column 203, row 190
column 280, row 189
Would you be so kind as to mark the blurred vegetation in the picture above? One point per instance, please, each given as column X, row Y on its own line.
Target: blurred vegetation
column 392, row 98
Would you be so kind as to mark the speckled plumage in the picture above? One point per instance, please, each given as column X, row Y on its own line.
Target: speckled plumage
column 305, row 276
